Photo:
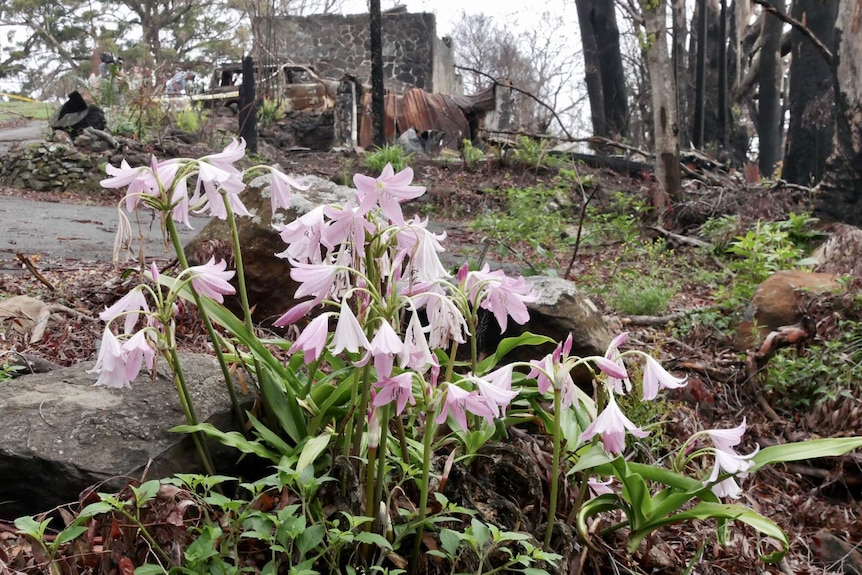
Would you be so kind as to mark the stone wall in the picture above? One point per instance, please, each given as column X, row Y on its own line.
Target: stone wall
column 50, row 167
column 336, row 45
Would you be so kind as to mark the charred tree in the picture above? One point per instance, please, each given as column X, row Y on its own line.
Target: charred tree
column 248, row 105
column 679, row 57
column 378, row 110
column 601, row 38
column 812, row 113
column 723, row 111
column 841, row 187
column 699, row 76
column 769, row 116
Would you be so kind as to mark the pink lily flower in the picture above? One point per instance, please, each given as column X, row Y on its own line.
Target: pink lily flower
column 312, row 340
column 612, row 425
column 416, row 354
column 316, row 279
column 460, row 401
column 216, row 181
column 501, row 295
column 111, row 363
column 398, row 389
column 295, row 313
column 130, row 304
column 446, row 321
column 346, row 224
column 496, row 388
column 231, row 154
column 422, row 246
column 138, row 350
column 211, row 280
column 280, row 188
column 387, row 191
column 620, row 385
column 348, row 333
column 139, row 180
column 303, row 236
column 385, row 345
column 656, row 377
column 597, row 487
column 727, row 460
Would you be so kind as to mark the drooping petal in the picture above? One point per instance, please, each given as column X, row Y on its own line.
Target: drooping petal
column 212, row 280
column 611, row 425
column 656, row 377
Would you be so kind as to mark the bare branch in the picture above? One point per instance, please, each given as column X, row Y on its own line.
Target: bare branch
column 787, row 19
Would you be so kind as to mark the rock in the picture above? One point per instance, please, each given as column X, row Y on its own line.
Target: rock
column 561, row 309
column 841, row 253
column 836, row 554
column 774, row 304
column 270, row 288
column 61, row 434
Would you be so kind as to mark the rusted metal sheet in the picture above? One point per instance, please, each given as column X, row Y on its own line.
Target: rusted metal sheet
column 423, row 111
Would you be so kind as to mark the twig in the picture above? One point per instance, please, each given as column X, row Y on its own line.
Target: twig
column 787, row 19
column 524, row 92
column 649, row 320
column 682, row 239
column 26, row 261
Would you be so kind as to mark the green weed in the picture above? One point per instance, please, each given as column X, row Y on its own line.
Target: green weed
column 395, row 155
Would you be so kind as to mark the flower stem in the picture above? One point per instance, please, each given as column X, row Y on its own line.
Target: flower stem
column 225, row 370
column 381, row 452
column 189, row 410
column 555, row 470
column 361, row 413
column 427, row 452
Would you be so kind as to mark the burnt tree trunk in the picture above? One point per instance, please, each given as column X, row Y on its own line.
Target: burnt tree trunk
column 248, row 105
column 601, row 36
column 699, row 76
column 812, row 114
column 664, row 111
column 723, row 111
column 769, row 101
column 680, row 66
column 378, row 111
column 841, row 187
column 592, row 70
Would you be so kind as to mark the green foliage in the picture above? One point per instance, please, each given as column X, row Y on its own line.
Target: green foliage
column 270, row 112
column 825, row 372
column 472, row 156
column 395, row 155
column 534, row 154
column 16, row 109
column 635, row 293
column 529, row 218
column 620, row 222
column 188, row 120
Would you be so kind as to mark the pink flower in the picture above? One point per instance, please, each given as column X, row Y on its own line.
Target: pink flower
column 398, row 389
column 384, row 347
column 215, row 182
column 111, row 363
column 346, row 224
column 620, row 385
column 416, row 354
column 387, row 191
column 422, row 246
column 446, row 321
column 597, row 487
column 139, row 180
column 612, row 425
column 211, row 279
column 316, row 279
column 137, row 349
column 129, row 305
column 279, row 189
column 225, row 159
column 552, row 370
column 503, row 296
column 727, row 460
column 312, row 340
column 460, row 401
column 303, row 236
column 656, row 377
column 348, row 333
column 496, row 388
column 295, row 313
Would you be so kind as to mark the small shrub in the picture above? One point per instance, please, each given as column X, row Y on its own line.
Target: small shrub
column 188, row 120
column 395, row 155
column 270, row 112
column 472, row 156
column 534, row 154
column 634, row 293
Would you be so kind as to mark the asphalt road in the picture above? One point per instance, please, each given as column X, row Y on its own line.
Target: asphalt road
column 74, row 232
column 31, row 131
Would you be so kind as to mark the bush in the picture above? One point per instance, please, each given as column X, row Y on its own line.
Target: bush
column 640, row 294
column 395, row 155
column 188, row 120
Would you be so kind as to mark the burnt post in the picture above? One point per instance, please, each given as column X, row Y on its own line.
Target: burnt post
column 248, row 105
column 378, row 110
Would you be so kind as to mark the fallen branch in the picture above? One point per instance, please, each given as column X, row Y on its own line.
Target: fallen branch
column 29, row 265
column 650, row 320
column 102, row 135
column 682, row 239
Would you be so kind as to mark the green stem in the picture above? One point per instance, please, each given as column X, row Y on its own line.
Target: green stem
column 555, row 470
column 370, row 510
column 348, row 427
column 189, row 410
column 381, row 452
column 423, row 487
column 402, row 439
column 361, row 413
column 225, row 370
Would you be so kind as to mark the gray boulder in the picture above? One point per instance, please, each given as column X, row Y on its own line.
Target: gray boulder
column 61, row 435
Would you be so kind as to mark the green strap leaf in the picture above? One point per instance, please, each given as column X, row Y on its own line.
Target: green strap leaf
column 813, row 449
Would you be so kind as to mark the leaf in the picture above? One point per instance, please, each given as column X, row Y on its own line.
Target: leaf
column 450, row 540
column 507, row 345
column 270, row 437
column 231, row 439
column 69, row 534
column 310, row 538
column 95, row 509
column 706, row 510
column 149, row 570
column 813, row 449
column 281, row 400
column 311, row 450
column 373, row 539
